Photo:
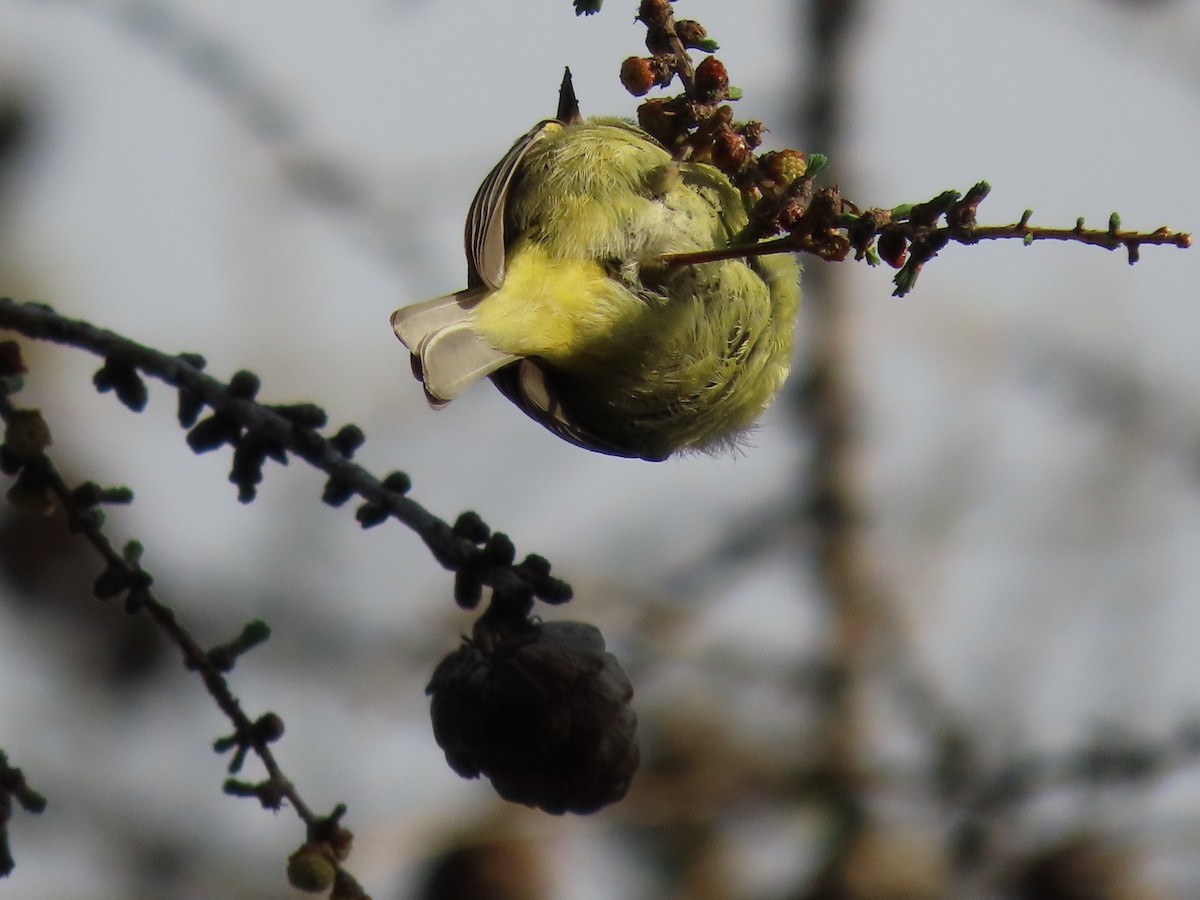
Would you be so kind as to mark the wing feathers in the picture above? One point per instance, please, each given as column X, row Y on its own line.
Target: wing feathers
column 485, row 242
column 527, row 386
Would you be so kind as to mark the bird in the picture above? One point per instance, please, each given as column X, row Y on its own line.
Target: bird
column 573, row 312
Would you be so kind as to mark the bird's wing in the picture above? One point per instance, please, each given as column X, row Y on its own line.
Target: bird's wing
column 484, row 236
column 527, row 386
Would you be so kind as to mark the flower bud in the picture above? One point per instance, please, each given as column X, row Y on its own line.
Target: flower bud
column 712, row 81
column 637, row 76
column 640, row 73
column 892, row 246
column 26, row 435
column 310, row 869
column 785, row 166
column 31, row 495
column 11, row 363
column 661, row 120
column 729, row 151
column 693, row 36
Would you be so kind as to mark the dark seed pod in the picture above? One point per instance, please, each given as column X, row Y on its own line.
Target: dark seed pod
column 893, row 246
column 543, row 711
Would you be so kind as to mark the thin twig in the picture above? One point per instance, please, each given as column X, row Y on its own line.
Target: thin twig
column 833, row 238
column 13, row 787
column 125, row 569
column 450, row 548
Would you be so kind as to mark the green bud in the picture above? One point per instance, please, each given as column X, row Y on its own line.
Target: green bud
column 26, row 434
column 310, row 869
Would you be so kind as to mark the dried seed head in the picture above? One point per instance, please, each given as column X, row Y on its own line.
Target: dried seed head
column 654, row 12
column 658, row 41
column 752, row 132
column 791, row 214
column 542, row 711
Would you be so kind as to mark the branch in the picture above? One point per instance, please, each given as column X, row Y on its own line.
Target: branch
column 26, row 436
column 469, row 548
column 13, row 787
column 698, row 125
column 257, row 432
column 908, row 236
column 979, row 795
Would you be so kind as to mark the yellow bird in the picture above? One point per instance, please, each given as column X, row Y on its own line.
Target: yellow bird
column 572, row 313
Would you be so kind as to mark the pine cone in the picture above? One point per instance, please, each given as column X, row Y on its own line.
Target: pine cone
column 542, row 711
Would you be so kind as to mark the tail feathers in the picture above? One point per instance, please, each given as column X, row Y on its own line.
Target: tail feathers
column 448, row 356
column 455, row 358
column 417, row 323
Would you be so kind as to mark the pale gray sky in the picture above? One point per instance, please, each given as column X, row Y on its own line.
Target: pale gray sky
column 1015, row 519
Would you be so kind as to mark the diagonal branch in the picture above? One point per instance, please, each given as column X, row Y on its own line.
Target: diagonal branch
column 124, row 574
column 456, row 547
column 13, row 787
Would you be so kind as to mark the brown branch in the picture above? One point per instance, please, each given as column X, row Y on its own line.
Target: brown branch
column 907, row 237
column 834, row 253
column 124, row 574
column 14, row 787
column 698, row 125
column 456, row 547
column 662, row 39
column 477, row 555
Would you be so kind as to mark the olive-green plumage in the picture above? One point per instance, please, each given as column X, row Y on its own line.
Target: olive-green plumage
column 572, row 314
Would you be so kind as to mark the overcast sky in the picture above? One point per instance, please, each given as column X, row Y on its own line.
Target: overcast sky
column 264, row 182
